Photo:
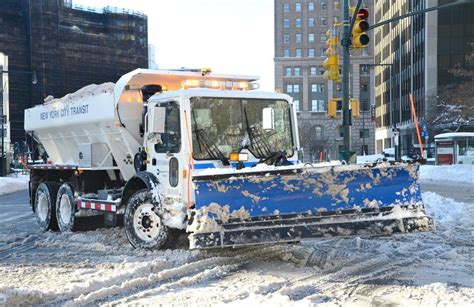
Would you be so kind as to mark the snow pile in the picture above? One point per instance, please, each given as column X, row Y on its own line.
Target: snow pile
column 369, row 158
column 13, row 184
column 91, row 89
column 454, row 173
column 445, row 210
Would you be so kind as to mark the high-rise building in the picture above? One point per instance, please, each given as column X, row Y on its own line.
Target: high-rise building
column 300, row 45
column 418, row 52
column 65, row 47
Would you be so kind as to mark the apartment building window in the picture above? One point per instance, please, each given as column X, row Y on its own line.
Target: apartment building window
column 317, row 87
column 338, row 87
column 321, row 70
column 286, row 7
column 297, row 105
column 296, row 88
column 311, row 52
column 298, row 23
column 311, row 37
column 317, row 105
column 318, row 132
column 324, row 38
column 364, row 133
column 312, row 71
column 297, row 71
column 289, row 88
column 286, row 38
column 286, row 23
column 298, row 38
column 365, row 105
column 324, row 6
column 311, row 6
column 286, row 53
column 364, row 87
column 288, row 72
column 323, row 52
column 364, row 70
column 324, row 21
column 298, row 7
column 311, row 22
column 298, row 53
column 336, row 5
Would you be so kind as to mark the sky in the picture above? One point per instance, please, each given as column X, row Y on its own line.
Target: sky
column 229, row 36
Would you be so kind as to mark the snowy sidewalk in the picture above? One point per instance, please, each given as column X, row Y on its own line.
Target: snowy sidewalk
column 13, row 184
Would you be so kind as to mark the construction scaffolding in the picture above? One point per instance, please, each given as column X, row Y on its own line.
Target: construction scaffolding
column 68, row 47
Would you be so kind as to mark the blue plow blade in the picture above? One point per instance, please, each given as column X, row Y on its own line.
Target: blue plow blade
column 261, row 201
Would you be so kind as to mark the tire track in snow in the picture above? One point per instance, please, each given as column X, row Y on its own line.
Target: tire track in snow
column 225, row 261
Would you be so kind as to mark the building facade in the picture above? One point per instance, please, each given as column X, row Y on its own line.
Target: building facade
column 55, row 47
column 4, row 104
column 300, row 45
column 418, row 53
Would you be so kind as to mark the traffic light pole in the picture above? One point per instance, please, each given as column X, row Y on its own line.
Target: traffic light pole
column 346, row 62
column 348, row 24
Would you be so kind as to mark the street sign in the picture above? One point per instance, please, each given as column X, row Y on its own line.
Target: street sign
column 424, row 127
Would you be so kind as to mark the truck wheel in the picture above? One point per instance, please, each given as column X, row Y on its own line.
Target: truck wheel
column 45, row 205
column 65, row 208
column 143, row 226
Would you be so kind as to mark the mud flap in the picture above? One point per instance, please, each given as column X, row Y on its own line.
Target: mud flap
column 296, row 228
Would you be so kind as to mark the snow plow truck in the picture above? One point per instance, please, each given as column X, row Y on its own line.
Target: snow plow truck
column 172, row 151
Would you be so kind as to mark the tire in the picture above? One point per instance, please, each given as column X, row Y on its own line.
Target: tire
column 45, row 205
column 143, row 226
column 65, row 208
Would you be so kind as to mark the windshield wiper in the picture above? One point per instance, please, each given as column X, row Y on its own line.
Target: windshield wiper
column 261, row 147
column 257, row 140
column 210, row 147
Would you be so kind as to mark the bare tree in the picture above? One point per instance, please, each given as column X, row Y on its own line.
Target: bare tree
column 312, row 143
column 453, row 107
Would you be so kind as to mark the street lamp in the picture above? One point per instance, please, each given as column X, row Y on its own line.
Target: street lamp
column 3, row 119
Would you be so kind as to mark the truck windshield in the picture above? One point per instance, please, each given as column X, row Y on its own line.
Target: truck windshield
column 225, row 125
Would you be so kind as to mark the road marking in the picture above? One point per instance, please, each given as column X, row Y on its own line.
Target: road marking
column 16, row 217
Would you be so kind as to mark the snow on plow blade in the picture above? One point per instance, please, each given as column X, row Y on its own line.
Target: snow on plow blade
column 290, row 204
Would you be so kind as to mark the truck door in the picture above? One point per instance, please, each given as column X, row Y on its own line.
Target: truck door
column 164, row 147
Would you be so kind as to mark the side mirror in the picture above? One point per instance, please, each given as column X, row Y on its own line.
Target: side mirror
column 268, row 119
column 158, row 121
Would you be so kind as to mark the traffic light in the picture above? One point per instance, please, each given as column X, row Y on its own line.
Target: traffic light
column 331, row 63
column 355, row 107
column 360, row 39
column 332, row 107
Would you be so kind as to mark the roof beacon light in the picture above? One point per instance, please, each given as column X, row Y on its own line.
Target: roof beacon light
column 222, row 85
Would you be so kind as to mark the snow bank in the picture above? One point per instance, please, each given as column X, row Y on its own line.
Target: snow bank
column 369, row 158
column 445, row 210
column 454, row 173
column 13, row 184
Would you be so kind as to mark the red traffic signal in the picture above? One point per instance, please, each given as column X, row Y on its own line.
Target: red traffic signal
column 363, row 14
column 359, row 38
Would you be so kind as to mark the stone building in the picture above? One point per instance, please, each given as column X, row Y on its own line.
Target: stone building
column 300, row 44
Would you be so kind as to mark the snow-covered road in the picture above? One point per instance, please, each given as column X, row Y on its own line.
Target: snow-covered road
column 99, row 267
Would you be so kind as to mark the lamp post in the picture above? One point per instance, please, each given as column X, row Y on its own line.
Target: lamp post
column 4, row 118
